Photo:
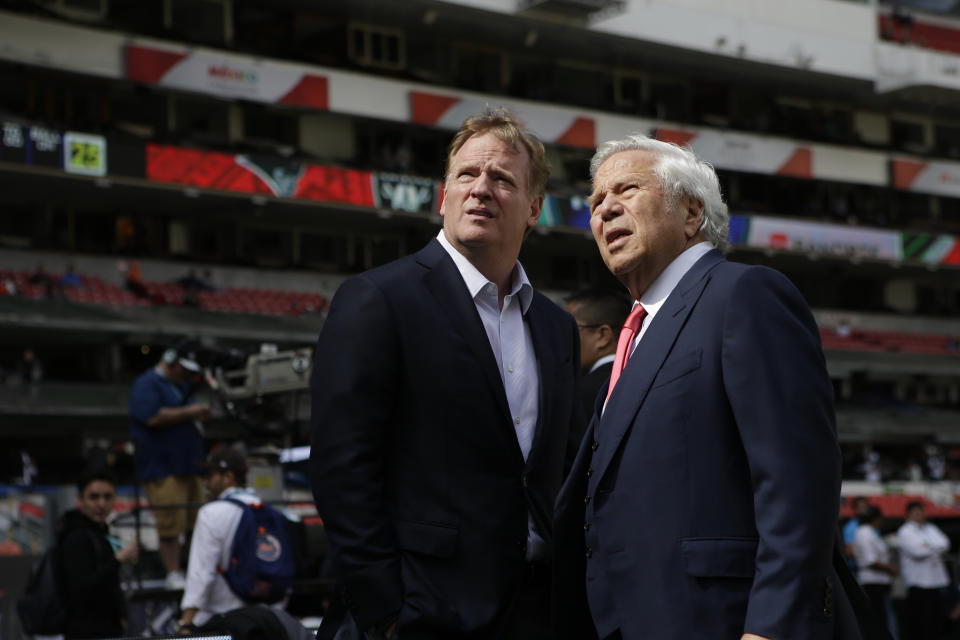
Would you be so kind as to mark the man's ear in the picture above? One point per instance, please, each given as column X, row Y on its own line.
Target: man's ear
column 692, row 210
column 536, row 207
column 606, row 336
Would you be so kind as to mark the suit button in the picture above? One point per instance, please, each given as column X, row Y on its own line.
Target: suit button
column 589, row 472
column 586, row 500
column 594, row 445
column 586, row 526
column 589, row 553
column 523, row 480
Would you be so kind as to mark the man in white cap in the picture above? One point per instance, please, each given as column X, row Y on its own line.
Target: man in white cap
column 165, row 427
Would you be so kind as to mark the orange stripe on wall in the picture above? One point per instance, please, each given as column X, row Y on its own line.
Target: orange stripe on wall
column 428, row 108
column 582, row 133
column 800, row 164
column 905, row 172
column 676, row 136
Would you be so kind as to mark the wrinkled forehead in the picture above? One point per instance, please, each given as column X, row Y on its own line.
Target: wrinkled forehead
column 624, row 166
column 630, row 162
column 487, row 146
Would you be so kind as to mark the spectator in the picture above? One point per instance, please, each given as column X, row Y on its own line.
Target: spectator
column 861, row 506
column 207, row 592
column 922, row 546
column 600, row 316
column 871, row 467
column 169, row 442
column 876, row 570
column 8, row 287
column 193, row 284
column 70, row 279
column 914, row 471
column 902, row 24
column 190, row 282
column 41, row 278
column 134, row 281
column 936, row 462
column 207, row 281
column 30, row 369
column 90, row 561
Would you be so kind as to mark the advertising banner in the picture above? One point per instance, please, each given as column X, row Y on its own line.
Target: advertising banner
column 739, row 152
column 939, row 177
column 404, row 193
column 248, row 174
column 33, row 145
column 226, row 75
column 84, row 154
column 820, row 238
column 555, row 126
column 931, row 248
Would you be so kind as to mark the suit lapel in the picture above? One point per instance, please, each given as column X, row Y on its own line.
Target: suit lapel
column 537, row 321
column 645, row 363
column 446, row 285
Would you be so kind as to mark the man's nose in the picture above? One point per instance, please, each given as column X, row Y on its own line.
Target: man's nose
column 608, row 209
column 481, row 186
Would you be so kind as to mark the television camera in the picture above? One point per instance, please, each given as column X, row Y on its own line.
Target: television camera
column 266, row 393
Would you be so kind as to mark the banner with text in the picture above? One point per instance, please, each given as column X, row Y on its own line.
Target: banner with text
column 256, row 175
column 553, row 126
column 225, row 75
column 765, row 232
column 404, row 193
column 738, row 152
column 939, row 178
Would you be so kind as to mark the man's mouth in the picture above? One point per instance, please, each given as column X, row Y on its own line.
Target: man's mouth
column 483, row 213
column 613, row 235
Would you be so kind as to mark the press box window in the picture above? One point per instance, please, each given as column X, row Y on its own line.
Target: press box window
column 373, row 46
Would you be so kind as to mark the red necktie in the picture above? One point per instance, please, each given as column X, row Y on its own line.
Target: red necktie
column 627, row 334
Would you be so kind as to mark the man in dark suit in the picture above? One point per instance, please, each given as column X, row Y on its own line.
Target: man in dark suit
column 444, row 396
column 599, row 315
column 703, row 502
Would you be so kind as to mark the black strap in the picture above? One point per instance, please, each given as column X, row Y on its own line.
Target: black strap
column 871, row 622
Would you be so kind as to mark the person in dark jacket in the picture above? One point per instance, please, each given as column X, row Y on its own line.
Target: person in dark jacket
column 90, row 561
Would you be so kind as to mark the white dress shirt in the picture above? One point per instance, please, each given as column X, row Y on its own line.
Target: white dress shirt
column 602, row 360
column 661, row 288
column 512, row 345
column 206, row 589
column 921, row 548
column 869, row 548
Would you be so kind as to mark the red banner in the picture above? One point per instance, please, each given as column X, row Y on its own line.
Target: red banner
column 247, row 174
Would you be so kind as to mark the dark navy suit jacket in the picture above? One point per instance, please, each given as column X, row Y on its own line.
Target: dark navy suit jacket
column 713, row 473
column 415, row 464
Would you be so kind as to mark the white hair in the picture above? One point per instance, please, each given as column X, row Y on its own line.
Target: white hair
column 680, row 173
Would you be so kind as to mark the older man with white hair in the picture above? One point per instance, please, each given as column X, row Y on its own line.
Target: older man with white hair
column 704, row 497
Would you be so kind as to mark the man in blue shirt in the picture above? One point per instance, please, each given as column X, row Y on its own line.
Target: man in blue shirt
column 860, row 508
column 165, row 428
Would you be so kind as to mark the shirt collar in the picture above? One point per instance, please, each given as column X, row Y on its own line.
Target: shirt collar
column 232, row 491
column 602, row 360
column 658, row 291
column 478, row 284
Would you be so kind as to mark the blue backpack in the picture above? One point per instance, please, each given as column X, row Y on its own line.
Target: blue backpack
column 261, row 560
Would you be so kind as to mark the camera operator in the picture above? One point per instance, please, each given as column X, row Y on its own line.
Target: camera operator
column 166, row 429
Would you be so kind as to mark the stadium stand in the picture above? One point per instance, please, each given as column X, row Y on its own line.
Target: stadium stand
column 288, row 145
